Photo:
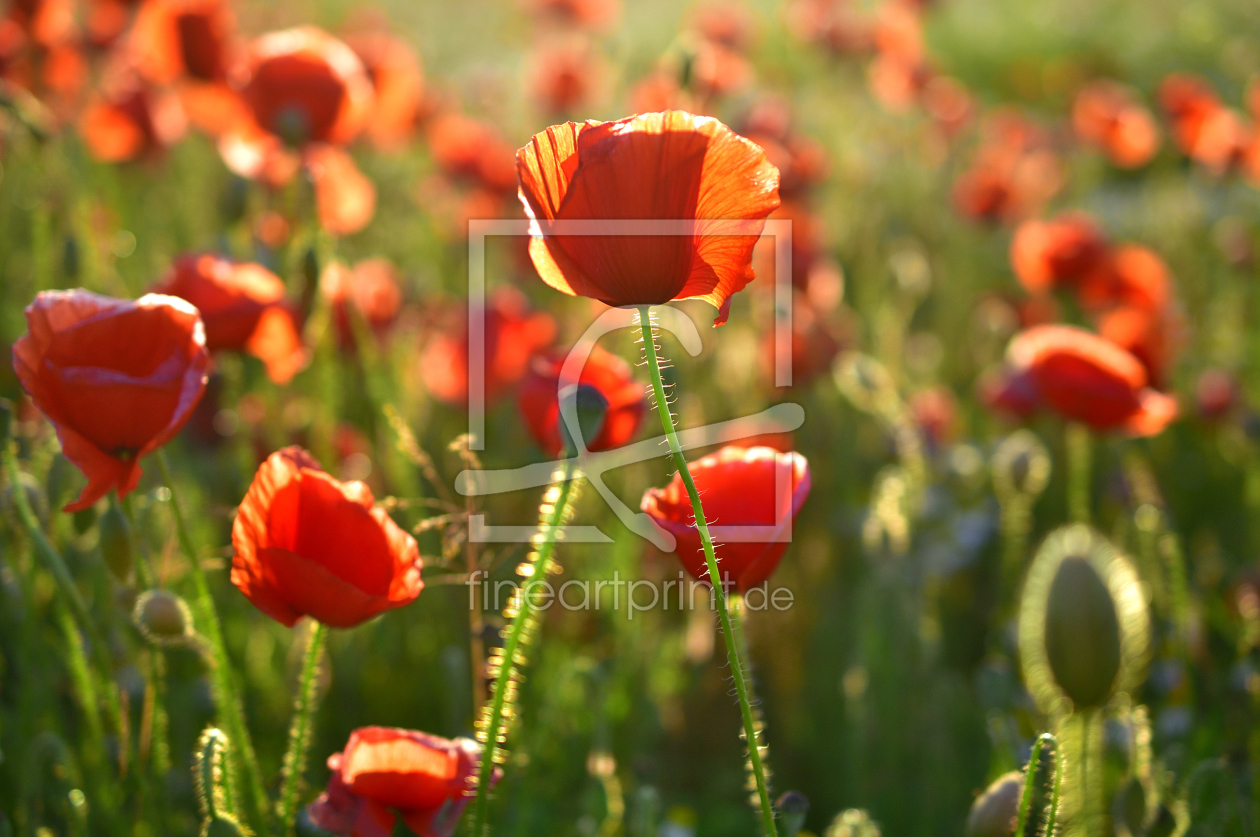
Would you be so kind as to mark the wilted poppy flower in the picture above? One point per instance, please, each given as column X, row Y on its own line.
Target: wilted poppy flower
column 473, row 150
column 128, row 118
column 668, row 166
column 1107, row 114
column 244, row 310
column 1090, row 379
column 394, row 69
column 117, row 378
column 1132, row 276
column 513, row 334
column 309, row 545
column 372, row 287
column 562, row 75
column 386, row 773
column 739, row 487
column 539, row 400
column 1060, row 252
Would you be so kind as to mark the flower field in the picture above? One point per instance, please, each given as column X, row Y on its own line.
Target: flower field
column 834, row 418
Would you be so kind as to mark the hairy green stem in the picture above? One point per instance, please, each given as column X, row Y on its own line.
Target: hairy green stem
column 241, row 758
column 1078, row 446
column 743, row 686
column 492, row 721
column 1030, row 781
column 300, row 729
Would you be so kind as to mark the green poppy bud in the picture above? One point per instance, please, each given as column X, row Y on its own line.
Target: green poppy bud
column 162, row 617
column 1082, row 634
column 995, row 811
column 63, row 482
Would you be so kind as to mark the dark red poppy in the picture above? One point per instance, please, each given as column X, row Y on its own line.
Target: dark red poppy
column 394, row 68
column 1090, row 379
column 513, row 334
column 1132, row 276
column 563, row 75
column 117, row 378
column 738, row 487
column 667, row 166
column 372, row 287
column 540, row 405
column 128, row 118
column 1063, row 251
column 309, row 545
column 386, row 773
column 244, row 310
column 1108, row 115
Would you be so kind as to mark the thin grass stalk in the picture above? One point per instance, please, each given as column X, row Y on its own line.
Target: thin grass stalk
column 743, row 688
column 300, row 729
column 492, row 725
column 240, row 756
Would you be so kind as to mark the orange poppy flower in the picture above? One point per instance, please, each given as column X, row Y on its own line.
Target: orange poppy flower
column 1090, row 379
column 1203, row 128
column 1060, row 252
column 117, row 378
column 127, row 118
column 726, row 23
column 513, row 334
column 585, row 14
column 244, row 309
column 815, row 343
column 473, row 150
column 658, row 91
column 309, row 545
column 1150, row 335
column 614, row 171
column 802, row 162
column 935, row 411
column 899, row 32
column 385, row 773
column 718, row 70
column 896, row 83
column 949, row 104
column 1107, row 114
column 740, row 487
column 1132, row 276
column 46, row 22
column 372, row 287
column 835, row 24
column 1013, row 173
column 394, row 69
column 539, row 400
column 107, row 19
column 345, row 199
column 563, row 75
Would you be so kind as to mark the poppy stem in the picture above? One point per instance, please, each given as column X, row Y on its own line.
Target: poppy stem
column 300, row 729
column 65, row 584
column 503, row 663
column 743, row 685
column 241, row 756
column 1078, row 447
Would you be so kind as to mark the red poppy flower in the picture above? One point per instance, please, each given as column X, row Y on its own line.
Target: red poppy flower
column 725, row 23
column 244, row 309
column 394, row 69
column 46, row 22
column 1088, row 378
column 1215, row 393
column 1063, row 251
column 473, row 150
column 718, row 70
column 385, row 773
column 896, row 83
column 585, row 14
column 372, row 287
column 899, row 31
column 1132, row 276
column 658, row 91
column 935, row 411
column 118, row 378
column 815, row 343
column 107, row 19
column 670, row 166
column 513, row 334
column 1204, row 129
column 802, row 162
column 738, row 487
column 1150, row 335
column 540, row 406
column 128, row 118
column 835, row 24
column 309, row 545
column 1013, row 173
column 563, row 75
column 949, row 104
column 345, row 200
column 1107, row 114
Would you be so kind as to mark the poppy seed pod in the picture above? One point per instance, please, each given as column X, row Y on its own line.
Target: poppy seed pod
column 116, row 542
column 590, row 407
column 994, row 812
column 1083, row 623
column 162, row 617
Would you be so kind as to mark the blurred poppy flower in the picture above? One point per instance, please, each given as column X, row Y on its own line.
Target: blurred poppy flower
column 46, row 22
column 658, row 91
column 540, row 405
column 244, row 310
column 1009, row 393
column 474, row 150
column 815, row 343
column 949, row 103
column 935, row 412
column 898, row 31
column 1204, row 129
column 1013, row 173
column 740, row 487
column 309, row 545
column 371, row 287
column 512, row 335
column 806, row 245
column 563, row 75
column 802, row 162
column 726, row 23
column 1215, row 393
column 118, row 378
column 128, row 118
column 1132, row 276
column 394, row 69
column 385, row 773
column 895, row 83
column 1108, row 115
column 345, row 200
column 1090, row 379
column 615, row 171
column 1150, row 335
column 1063, row 251
column 584, row 14
column 107, row 19
column 718, row 70
column 835, row 24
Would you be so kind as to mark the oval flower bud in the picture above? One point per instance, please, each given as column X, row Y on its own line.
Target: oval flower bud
column 162, row 617
column 116, row 542
column 1083, row 623
column 994, row 812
